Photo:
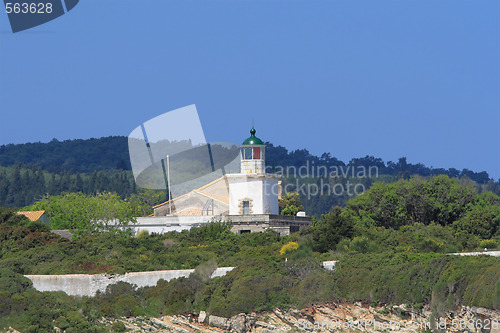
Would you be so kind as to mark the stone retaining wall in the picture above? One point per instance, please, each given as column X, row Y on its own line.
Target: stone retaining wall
column 88, row 285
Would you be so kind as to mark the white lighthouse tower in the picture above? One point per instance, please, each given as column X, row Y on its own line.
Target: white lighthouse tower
column 253, row 191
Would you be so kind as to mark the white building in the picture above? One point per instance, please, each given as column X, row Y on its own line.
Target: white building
column 248, row 200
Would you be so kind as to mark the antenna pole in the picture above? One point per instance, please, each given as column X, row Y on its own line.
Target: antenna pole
column 168, row 181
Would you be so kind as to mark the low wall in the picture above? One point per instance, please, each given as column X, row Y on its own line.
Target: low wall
column 282, row 224
column 479, row 253
column 88, row 285
column 163, row 224
column 329, row 265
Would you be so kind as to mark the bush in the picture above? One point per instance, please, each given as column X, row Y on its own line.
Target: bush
column 488, row 244
column 329, row 230
column 118, row 326
column 289, row 247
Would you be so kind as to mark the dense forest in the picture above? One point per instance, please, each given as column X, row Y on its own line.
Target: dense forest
column 87, row 156
column 74, row 156
column 29, row 172
column 391, row 241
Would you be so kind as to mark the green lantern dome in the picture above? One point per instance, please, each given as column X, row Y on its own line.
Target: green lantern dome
column 252, row 140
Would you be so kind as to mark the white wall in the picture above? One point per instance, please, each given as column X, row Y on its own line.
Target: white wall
column 479, row 253
column 163, row 224
column 252, row 166
column 261, row 189
column 88, row 285
column 270, row 191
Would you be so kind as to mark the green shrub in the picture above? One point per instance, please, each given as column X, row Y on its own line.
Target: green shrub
column 488, row 244
column 118, row 326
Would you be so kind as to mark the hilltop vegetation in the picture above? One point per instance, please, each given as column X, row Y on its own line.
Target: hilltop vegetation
column 75, row 156
column 30, row 171
column 21, row 186
column 391, row 243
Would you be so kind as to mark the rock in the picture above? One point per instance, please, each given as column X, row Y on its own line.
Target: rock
column 287, row 319
column 265, row 330
column 305, row 325
column 265, row 325
column 12, row 330
column 202, row 317
column 220, row 322
column 158, row 323
column 320, row 318
column 243, row 323
column 238, row 323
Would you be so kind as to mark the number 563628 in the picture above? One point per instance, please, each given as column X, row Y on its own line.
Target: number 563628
column 28, row 7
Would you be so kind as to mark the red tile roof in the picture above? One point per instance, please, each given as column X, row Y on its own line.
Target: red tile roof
column 33, row 215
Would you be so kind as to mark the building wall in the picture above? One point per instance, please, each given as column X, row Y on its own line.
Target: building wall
column 163, row 224
column 244, row 188
column 284, row 225
column 261, row 190
column 250, row 227
column 252, row 166
column 270, row 192
column 45, row 219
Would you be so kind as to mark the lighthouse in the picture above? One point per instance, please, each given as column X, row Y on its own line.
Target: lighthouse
column 253, row 191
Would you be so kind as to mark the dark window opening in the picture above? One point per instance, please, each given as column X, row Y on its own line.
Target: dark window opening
column 246, row 207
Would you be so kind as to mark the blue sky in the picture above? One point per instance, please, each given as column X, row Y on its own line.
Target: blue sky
column 419, row 79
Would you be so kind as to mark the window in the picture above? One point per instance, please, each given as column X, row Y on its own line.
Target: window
column 256, row 153
column 247, row 153
column 246, row 207
column 244, row 232
column 251, row 153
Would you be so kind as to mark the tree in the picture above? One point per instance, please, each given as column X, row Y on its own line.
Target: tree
column 107, row 211
column 440, row 200
column 86, row 213
column 330, row 229
column 143, row 201
column 9, row 217
column 482, row 217
column 290, row 204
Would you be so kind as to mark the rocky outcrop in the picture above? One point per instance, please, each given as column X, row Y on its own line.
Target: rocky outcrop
column 202, row 317
column 220, row 322
column 345, row 317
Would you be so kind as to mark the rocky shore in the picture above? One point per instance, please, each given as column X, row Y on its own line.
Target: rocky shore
column 345, row 317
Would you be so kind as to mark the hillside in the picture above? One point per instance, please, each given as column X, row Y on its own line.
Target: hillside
column 32, row 170
column 391, row 243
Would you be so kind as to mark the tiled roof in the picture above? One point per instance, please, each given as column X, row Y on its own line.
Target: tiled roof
column 33, row 215
column 211, row 183
column 190, row 212
column 166, row 202
column 220, row 198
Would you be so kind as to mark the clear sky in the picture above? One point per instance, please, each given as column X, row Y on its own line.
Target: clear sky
column 397, row 78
